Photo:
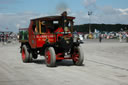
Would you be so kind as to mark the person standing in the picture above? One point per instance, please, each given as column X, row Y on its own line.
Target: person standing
column 127, row 37
column 100, row 38
column 0, row 37
column 120, row 37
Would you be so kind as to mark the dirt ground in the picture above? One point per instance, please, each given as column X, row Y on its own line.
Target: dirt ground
column 105, row 63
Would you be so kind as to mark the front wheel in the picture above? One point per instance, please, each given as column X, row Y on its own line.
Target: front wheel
column 50, row 57
column 78, row 56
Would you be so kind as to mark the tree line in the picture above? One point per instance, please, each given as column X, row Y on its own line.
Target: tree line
column 101, row 27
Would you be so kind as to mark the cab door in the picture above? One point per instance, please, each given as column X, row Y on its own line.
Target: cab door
column 32, row 35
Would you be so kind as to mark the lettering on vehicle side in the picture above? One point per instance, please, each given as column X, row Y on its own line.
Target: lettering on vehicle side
column 45, row 36
column 51, row 36
column 44, row 39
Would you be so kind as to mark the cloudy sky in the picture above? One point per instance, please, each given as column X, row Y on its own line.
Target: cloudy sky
column 17, row 13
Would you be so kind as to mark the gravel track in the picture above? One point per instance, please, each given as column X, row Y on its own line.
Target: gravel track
column 105, row 64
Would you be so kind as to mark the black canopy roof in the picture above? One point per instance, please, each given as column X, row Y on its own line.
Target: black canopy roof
column 54, row 18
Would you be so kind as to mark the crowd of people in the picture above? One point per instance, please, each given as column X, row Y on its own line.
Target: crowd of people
column 107, row 35
column 7, row 37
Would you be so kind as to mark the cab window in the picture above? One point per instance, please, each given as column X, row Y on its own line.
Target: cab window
column 43, row 27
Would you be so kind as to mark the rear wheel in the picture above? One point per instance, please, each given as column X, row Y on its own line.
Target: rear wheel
column 50, row 57
column 25, row 54
column 78, row 56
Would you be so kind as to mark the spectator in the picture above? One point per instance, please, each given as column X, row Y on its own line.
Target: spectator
column 120, row 37
column 127, row 37
column 100, row 38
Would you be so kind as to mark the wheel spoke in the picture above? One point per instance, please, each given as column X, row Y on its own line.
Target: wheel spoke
column 76, row 57
column 23, row 54
column 48, row 56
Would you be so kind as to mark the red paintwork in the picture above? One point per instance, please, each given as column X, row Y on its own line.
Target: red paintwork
column 32, row 39
column 59, row 30
column 60, row 56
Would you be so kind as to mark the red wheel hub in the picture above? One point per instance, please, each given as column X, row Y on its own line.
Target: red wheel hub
column 75, row 56
column 48, row 56
column 23, row 54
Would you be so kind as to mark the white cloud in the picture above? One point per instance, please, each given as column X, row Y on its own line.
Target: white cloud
column 13, row 21
column 109, row 10
column 114, row 15
column 106, row 15
column 123, row 11
column 90, row 5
